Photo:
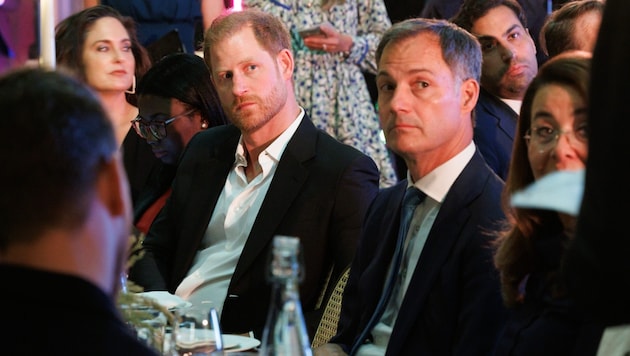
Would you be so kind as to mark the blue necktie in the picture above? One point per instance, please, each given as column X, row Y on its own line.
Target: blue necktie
column 412, row 198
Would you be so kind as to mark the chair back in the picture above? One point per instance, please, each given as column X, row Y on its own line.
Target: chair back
column 328, row 324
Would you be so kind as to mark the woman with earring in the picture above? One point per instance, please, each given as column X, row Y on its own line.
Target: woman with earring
column 100, row 47
column 176, row 100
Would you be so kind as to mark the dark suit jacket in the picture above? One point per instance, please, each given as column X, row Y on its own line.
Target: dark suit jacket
column 319, row 193
column 495, row 126
column 59, row 314
column 399, row 10
column 155, row 18
column 141, row 165
column 453, row 304
column 546, row 322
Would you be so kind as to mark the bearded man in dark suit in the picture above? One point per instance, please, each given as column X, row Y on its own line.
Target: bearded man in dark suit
column 269, row 173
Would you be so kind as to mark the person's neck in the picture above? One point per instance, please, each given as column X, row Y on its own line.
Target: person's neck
column 256, row 141
column 120, row 112
column 71, row 257
column 420, row 165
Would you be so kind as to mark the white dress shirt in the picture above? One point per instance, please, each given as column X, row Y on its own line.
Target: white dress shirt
column 209, row 277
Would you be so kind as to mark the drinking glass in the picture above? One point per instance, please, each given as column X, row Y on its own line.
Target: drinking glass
column 198, row 332
column 148, row 323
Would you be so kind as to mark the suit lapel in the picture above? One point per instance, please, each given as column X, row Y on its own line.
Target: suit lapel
column 444, row 234
column 505, row 116
column 208, row 175
column 285, row 186
column 212, row 173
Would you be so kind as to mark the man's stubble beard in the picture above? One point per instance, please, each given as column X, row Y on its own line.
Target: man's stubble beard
column 269, row 107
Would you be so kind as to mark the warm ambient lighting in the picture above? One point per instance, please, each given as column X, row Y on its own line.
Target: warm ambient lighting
column 47, row 56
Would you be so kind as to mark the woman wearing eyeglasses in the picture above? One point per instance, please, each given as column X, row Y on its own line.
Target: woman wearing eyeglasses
column 552, row 135
column 176, row 100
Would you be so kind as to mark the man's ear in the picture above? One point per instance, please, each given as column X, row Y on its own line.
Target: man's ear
column 469, row 94
column 286, row 63
column 111, row 186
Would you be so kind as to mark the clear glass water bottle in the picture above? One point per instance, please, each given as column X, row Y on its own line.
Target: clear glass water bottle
column 285, row 331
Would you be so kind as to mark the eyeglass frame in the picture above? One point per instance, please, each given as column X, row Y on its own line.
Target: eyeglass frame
column 554, row 136
column 135, row 123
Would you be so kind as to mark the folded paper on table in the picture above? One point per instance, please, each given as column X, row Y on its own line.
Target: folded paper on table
column 200, row 337
column 231, row 343
column 166, row 299
column 559, row 191
column 243, row 343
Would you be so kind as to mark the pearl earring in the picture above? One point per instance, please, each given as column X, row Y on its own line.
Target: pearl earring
column 204, row 125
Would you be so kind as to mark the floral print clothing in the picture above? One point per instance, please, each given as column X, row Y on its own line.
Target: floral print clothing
column 331, row 86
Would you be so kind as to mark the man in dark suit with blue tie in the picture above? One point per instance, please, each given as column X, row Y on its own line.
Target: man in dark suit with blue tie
column 446, row 297
column 509, row 65
column 269, row 173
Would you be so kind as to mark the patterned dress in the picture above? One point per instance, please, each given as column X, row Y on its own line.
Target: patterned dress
column 331, row 86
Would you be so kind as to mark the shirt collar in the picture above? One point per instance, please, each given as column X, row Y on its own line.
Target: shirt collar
column 437, row 183
column 513, row 104
column 276, row 148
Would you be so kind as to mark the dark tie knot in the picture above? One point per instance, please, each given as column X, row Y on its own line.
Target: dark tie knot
column 413, row 197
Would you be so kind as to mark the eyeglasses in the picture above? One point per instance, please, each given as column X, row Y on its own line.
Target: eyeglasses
column 547, row 136
column 156, row 127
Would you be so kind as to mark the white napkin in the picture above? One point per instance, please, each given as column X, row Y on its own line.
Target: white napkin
column 166, row 299
column 559, row 191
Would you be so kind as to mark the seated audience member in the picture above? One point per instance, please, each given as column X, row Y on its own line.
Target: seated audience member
column 574, row 26
column 269, row 173
column 509, row 64
column 176, row 100
column 552, row 135
column 597, row 264
column 536, row 11
column 431, row 289
column 101, row 47
column 65, row 217
column 329, row 80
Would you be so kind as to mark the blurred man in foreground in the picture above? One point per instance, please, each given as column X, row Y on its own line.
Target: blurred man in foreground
column 65, row 217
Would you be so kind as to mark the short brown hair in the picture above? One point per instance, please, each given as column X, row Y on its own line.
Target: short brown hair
column 70, row 40
column 473, row 10
column 270, row 32
column 556, row 35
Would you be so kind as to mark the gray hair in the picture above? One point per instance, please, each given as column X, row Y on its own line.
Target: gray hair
column 460, row 49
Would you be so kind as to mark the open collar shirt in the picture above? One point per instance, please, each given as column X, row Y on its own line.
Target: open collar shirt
column 231, row 222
